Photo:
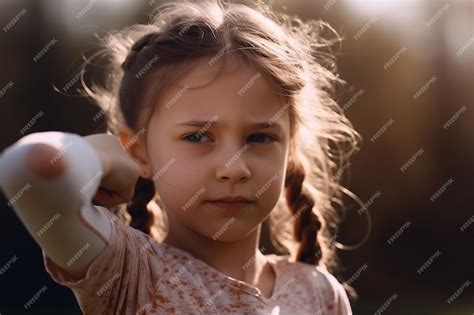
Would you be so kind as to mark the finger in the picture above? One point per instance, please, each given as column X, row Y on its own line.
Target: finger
column 109, row 199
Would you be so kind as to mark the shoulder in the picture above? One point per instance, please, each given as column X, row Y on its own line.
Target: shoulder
column 320, row 280
column 123, row 235
column 317, row 274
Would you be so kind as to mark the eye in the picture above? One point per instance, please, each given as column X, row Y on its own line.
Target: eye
column 262, row 136
column 196, row 137
column 193, row 137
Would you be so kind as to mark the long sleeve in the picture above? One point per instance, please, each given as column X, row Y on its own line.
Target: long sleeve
column 57, row 208
column 117, row 262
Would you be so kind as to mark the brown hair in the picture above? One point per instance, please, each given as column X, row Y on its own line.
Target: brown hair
column 294, row 56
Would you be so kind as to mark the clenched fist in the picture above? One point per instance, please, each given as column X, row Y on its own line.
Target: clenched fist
column 121, row 172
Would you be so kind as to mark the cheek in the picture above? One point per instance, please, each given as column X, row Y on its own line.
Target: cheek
column 176, row 179
column 269, row 191
column 181, row 185
column 269, row 177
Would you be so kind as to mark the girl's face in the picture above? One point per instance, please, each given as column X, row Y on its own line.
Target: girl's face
column 193, row 163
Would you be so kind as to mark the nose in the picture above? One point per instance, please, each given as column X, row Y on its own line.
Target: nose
column 234, row 169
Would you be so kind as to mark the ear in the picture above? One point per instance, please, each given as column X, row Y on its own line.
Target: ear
column 134, row 144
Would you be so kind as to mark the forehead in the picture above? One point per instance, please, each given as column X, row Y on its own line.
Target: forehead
column 230, row 88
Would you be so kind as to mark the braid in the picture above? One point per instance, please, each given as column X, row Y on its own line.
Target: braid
column 170, row 42
column 306, row 223
column 141, row 218
column 144, row 42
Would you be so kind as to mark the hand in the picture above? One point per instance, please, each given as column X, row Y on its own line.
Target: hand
column 121, row 172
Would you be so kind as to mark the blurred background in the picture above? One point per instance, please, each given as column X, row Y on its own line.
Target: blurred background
column 410, row 93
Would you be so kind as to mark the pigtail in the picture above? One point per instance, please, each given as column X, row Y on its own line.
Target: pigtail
column 141, row 217
column 306, row 223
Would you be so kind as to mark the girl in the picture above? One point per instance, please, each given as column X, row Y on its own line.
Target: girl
column 223, row 113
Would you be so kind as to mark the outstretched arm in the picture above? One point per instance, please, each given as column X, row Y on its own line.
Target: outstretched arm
column 50, row 179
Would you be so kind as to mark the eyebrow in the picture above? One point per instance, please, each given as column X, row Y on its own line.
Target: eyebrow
column 257, row 125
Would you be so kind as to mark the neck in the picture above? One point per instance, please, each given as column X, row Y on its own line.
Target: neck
column 240, row 259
